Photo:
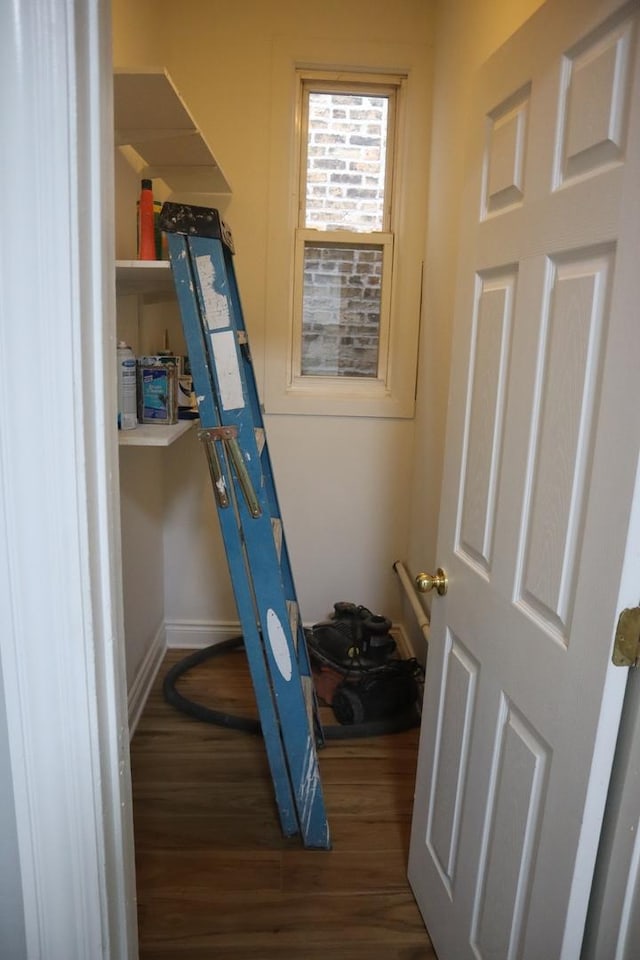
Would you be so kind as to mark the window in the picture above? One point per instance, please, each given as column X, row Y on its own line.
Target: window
column 344, row 247
column 346, row 237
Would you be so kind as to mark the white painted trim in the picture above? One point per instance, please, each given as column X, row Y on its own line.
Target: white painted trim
column 403, row 642
column 196, row 634
column 61, row 642
column 178, row 635
column 145, row 678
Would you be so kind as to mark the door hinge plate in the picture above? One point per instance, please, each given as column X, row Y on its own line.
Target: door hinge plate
column 626, row 646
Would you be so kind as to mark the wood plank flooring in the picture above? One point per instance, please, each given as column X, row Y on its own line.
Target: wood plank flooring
column 216, row 879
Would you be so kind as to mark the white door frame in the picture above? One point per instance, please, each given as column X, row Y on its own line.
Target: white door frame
column 61, row 635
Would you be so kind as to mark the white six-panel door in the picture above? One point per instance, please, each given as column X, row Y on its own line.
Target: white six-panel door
column 539, row 525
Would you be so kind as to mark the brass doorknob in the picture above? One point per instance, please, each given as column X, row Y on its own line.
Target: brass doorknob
column 429, row 581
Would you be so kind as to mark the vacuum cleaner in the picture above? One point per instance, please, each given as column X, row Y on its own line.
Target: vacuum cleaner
column 356, row 671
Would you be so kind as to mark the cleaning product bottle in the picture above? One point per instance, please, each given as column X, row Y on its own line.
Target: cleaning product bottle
column 127, row 376
column 146, row 226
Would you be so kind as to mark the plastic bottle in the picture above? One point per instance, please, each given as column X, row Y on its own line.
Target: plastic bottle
column 127, row 394
column 146, row 225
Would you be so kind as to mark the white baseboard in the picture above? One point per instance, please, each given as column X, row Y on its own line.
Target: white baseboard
column 144, row 678
column 403, row 641
column 195, row 634
column 178, row 634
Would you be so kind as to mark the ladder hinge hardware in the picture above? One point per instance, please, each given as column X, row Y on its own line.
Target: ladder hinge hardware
column 228, row 435
column 217, row 433
column 626, row 647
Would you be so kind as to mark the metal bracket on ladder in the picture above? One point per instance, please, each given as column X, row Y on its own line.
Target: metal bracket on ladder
column 228, row 435
column 233, row 435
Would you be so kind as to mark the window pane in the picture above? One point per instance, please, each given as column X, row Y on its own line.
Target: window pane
column 341, row 310
column 346, row 162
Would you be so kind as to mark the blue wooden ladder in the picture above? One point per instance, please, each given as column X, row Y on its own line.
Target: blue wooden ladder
column 233, row 435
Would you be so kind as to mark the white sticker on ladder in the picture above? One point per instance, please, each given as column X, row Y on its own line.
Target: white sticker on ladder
column 223, row 346
column 216, row 307
column 279, row 645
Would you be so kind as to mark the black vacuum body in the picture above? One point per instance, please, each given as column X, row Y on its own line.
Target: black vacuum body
column 356, row 668
column 353, row 640
column 356, row 671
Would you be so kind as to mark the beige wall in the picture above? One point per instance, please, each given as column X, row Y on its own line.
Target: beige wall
column 342, row 482
column 466, row 33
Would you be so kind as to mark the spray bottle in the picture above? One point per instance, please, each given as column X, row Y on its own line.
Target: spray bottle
column 127, row 375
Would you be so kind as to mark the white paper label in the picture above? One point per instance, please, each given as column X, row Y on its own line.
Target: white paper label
column 225, row 357
column 216, row 307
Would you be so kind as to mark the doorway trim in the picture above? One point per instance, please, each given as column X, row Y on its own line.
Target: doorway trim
column 62, row 638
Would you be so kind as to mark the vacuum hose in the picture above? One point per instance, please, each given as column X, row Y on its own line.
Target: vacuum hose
column 405, row 720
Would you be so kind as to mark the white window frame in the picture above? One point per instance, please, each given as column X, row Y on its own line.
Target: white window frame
column 381, row 85
column 368, row 85
column 392, row 392
column 322, row 385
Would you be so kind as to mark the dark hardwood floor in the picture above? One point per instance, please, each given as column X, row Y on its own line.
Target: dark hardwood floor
column 216, row 879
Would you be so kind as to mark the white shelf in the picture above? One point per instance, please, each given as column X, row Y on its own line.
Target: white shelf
column 154, row 434
column 153, row 123
column 149, row 278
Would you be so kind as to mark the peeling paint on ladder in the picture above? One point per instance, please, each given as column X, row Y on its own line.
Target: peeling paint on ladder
column 216, row 308
column 223, row 346
column 309, row 785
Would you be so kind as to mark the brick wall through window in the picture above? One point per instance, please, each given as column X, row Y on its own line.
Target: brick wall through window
column 345, row 191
